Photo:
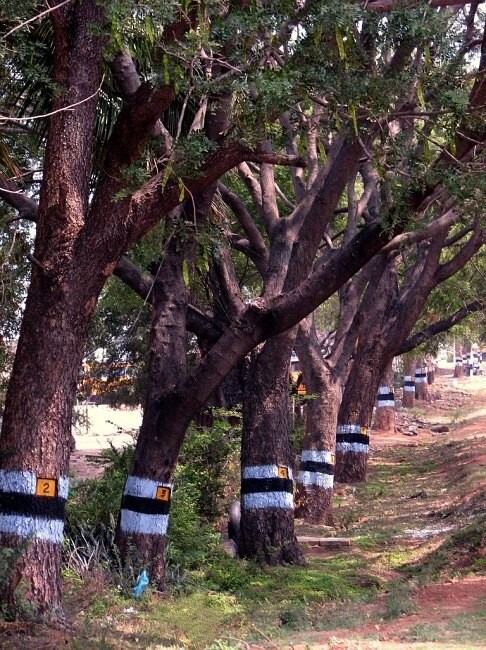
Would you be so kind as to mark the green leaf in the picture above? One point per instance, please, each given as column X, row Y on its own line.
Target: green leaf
column 186, row 275
column 354, row 119
column 420, row 95
column 182, row 190
column 340, row 45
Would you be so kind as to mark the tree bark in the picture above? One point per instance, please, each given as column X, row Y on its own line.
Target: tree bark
column 370, row 360
column 267, row 501
column 384, row 419
column 459, row 365
column 144, row 515
column 36, row 432
column 408, row 399
column 315, row 479
column 421, row 386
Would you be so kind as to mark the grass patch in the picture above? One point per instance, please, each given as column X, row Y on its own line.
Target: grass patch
column 459, row 554
column 399, row 601
column 424, row 632
column 469, row 627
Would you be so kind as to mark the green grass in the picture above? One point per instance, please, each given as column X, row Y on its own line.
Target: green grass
column 456, row 556
column 230, row 598
column 399, row 601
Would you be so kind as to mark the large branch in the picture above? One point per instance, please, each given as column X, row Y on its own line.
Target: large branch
column 471, row 247
column 247, row 223
column 263, row 319
column 16, row 198
column 145, row 203
column 440, row 326
column 199, row 323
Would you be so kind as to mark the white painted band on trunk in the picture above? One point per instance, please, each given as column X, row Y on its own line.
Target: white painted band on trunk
column 408, row 378
column 264, row 471
column 351, row 428
column 409, row 389
column 386, row 403
column 317, row 456
column 260, row 500
column 49, row 530
column 384, row 390
column 352, row 447
column 316, row 478
column 24, row 482
column 63, row 487
column 137, row 486
column 420, row 380
column 138, row 522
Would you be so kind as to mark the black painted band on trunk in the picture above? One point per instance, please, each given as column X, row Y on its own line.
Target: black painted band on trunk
column 251, row 485
column 31, row 505
column 353, row 437
column 410, row 384
column 145, row 505
column 386, row 396
column 314, row 466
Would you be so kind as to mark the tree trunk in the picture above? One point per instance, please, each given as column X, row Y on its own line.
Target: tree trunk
column 385, row 404
column 144, row 515
column 354, row 419
column 421, row 386
column 36, row 439
column 408, row 399
column 315, row 479
column 267, row 503
column 370, row 360
column 477, row 363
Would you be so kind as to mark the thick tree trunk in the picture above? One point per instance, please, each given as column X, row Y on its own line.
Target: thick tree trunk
column 36, row 440
column 384, row 419
column 315, row 478
column 354, row 419
column 408, row 399
column 267, row 502
column 421, row 386
column 477, row 363
column 144, row 515
column 370, row 360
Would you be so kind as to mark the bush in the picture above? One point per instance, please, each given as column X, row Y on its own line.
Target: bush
column 208, row 460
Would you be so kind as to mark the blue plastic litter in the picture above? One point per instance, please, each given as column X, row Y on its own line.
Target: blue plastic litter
column 141, row 584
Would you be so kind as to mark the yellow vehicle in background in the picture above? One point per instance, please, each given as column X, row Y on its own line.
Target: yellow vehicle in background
column 100, row 379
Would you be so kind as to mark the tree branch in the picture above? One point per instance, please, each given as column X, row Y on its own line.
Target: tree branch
column 199, row 323
column 440, row 326
column 247, row 223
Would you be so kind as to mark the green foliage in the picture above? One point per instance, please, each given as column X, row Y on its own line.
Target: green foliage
column 95, row 502
column 199, row 496
column 207, row 460
column 399, row 601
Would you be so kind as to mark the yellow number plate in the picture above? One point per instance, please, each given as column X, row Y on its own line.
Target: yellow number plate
column 46, row 487
column 283, row 472
column 333, row 459
column 162, row 493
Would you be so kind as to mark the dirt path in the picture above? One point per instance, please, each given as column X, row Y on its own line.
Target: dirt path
column 412, row 524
